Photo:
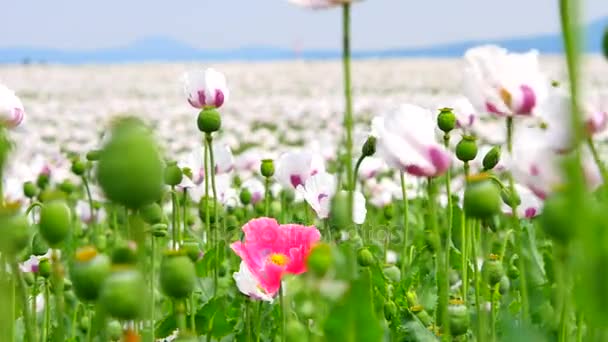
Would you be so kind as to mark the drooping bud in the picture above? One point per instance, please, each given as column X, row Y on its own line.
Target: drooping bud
column 491, row 159
column 466, row 149
column 79, row 167
column 446, row 120
column 267, row 168
column 369, row 147
column 209, row 120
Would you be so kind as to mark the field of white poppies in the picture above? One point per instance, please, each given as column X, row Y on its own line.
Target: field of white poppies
column 365, row 200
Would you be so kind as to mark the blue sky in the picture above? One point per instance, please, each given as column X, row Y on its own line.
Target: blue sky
column 217, row 24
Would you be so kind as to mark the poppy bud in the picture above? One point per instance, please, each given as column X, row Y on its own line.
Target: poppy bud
column 93, row 155
column 44, row 268
column 556, row 218
column 390, row 310
column 55, row 222
column 209, row 120
column 446, row 120
column 114, row 330
column 192, row 250
column 369, row 147
column 30, row 190
column 466, row 149
column 365, row 257
column 267, row 168
column 245, row 196
column 491, row 159
column 124, row 253
column 173, row 174
column 177, row 275
column 492, row 270
column 79, row 167
column 482, row 198
column 320, row 259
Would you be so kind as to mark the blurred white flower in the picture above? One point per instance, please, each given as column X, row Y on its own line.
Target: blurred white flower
column 370, row 167
column 11, row 108
column 503, row 83
column 318, row 191
column 294, row 168
column 406, row 141
column 205, row 88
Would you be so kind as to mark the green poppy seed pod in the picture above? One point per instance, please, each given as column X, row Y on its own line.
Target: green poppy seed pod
column 491, row 159
column 389, row 211
column 192, row 249
column 446, row 120
column 123, row 294
column 30, row 190
column 44, row 268
column 79, row 167
column 245, row 196
column 67, row 186
column 209, row 120
column 365, row 258
column 159, row 230
column 114, row 330
column 510, row 198
column 390, row 310
column 55, row 222
column 130, row 168
column 88, row 273
column 267, row 168
column 295, row 331
column 459, row 317
column 556, row 218
column 369, row 147
column 177, row 276
column 466, row 149
column 492, row 270
column 339, row 217
column 202, row 213
column 39, row 246
column 124, row 253
column 482, row 198
column 14, row 232
column 393, row 273
column 505, row 285
column 605, row 43
column 151, row 213
column 93, row 155
column 320, row 259
column 173, row 174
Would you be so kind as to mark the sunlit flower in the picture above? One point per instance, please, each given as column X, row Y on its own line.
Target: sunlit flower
column 406, row 141
column 271, row 250
column 294, row 168
column 205, row 88
column 503, row 83
column 11, row 108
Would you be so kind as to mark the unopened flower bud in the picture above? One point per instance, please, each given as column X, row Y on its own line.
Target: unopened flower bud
column 67, row 187
column 209, row 120
column 466, row 149
column 173, row 174
column 389, row 211
column 30, row 190
column 93, row 155
column 446, row 120
column 192, row 250
column 390, row 310
column 365, row 258
column 159, row 230
column 151, row 213
column 491, row 159
column 55, row 222
column 123, row 293
column 44, row 268
column 369, row 147
column 510, row 198
column 88, row 272
column 79, row 167
column 245, row 196
column 125, row 253
column 267, row 168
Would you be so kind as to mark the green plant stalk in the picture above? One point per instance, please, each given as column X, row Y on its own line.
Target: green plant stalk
column 356, row 173
column 85, row 182
column 477, row 282
column 32, row 206
column 11, row 306
column 283, row 314
column 174, row 225
column 448, row 239
column 179, row 310
column 259, row 320
column 267, row 196
column 59, row 301
column 47, row 310
column 192, row 312
column 598, row 161
column 523, row 284
column 442, row 281
column 348, row 113
column 248, row 318
column 464, row 238
column 406, row 222
column 22, row 288
column 206, row 209
column 216, row 219
column 33, row 308
column 152, row 292
column 182, row 232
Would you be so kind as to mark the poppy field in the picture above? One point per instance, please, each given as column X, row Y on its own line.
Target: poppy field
column 348, row 200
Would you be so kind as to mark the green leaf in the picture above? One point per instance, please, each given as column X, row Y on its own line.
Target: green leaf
column 212, row 318
column 165, row 326
column 353, row 317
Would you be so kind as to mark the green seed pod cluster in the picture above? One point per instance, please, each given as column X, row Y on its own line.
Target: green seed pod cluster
column 130, row 168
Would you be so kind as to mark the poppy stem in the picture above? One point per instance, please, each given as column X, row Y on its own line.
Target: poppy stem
column 348, row 113
column 406, row 223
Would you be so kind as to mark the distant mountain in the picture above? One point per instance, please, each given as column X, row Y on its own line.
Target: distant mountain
column 160, row 49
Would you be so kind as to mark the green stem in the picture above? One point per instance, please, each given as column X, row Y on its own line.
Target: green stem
column 32, row 206
column 47, row 310
column 152, row 290
column 283, row 314
column 182, row 232
column 477, row 281
column 357, row 166
column 448, row 239
column 248, row 319
column 58, row 286
column 174, row 225
column 179, row 308
column 192, row 312
column 259, row 320
column 209, row 139
column 464, row 239
column 267, row 196
column 406, row 222
column 90, row 199
column 598, row 161
column 33, row 308
column 11, row 306
column 22, row 288
column 348, row 114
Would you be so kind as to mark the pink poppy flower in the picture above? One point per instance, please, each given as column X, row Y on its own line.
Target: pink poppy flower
column 205, row 88
column 11, row 108
column 271, row 250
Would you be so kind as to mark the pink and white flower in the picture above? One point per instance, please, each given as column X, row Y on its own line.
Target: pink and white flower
column 294, row 168
column 464, row 111
column 318, row 192
column 504, row 83
column 206, row 88
column 11, row 108
column 270, row 251
column 406, row 141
